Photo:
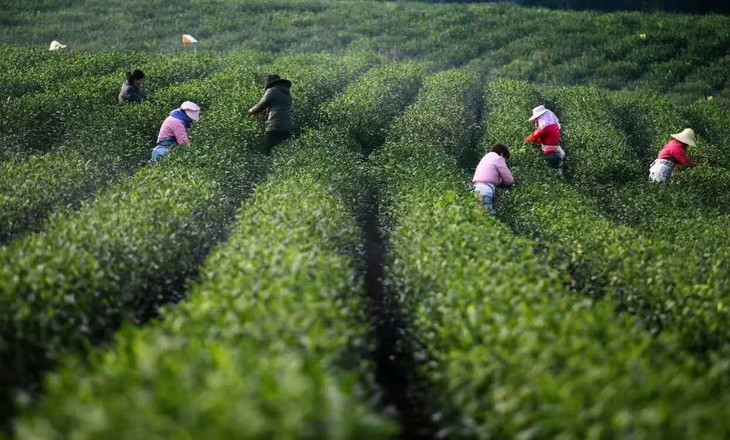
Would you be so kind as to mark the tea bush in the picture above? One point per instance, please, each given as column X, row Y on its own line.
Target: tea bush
column 31, row 71
column 42, row 122
column 642, row 124
column 432, row 116
column 647, row 277
column 514, row 354
column 365, row 109
column 662, row 210
column 443, row 114
column 116, row 143
column 647, row 120
column 120, row 142
column 709, row 186
column 28, row 191
column 113, row 146
column 272, row 341
column 580, row 45
column 709, row 118
column 229, row 168
column 680, row 215
column 599, row 312
column 510, row 352
column 596, row 151
column 32, row 125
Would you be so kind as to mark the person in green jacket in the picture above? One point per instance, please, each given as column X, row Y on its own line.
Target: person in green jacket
column 277, row 103
column 132, row 88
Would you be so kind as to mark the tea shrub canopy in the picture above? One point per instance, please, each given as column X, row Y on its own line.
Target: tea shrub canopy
column 349, row 285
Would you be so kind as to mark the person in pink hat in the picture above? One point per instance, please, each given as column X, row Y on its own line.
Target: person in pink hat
column 548, row 135
column 174, row 130
column 672, row 154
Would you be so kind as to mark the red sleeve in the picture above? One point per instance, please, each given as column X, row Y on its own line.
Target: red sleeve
column 680, row 155
column 535, row 137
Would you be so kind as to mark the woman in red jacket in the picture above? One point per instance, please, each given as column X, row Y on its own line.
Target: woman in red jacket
column 547, row 134
column 672, row 154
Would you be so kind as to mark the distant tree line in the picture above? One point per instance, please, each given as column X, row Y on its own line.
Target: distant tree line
column 694, row 6
column 697, row 6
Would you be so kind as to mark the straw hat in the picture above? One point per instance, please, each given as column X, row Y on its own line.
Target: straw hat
column 537, row 112
column 191, row 109
column 55, row 45
column 686, row 137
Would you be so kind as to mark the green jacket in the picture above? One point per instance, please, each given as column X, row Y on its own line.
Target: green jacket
column 277, row 101
column 130, row 93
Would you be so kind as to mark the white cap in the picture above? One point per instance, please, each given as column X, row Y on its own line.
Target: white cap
column 537, row 112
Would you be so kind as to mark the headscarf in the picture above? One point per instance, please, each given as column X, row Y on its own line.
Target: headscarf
column 182, row 116
column 547, row 119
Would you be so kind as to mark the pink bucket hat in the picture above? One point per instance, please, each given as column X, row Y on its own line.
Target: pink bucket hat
column 191, row 109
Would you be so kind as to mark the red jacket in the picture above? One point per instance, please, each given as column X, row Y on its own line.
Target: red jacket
column 677, row 153
column 548, row 137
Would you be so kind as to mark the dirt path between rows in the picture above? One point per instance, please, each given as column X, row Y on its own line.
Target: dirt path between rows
column 395, row 365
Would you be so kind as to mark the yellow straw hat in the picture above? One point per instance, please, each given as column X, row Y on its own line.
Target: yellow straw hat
column 687, row 136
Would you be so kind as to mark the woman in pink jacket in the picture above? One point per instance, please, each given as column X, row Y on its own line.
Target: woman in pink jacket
column 174, row 130
column 492, row 172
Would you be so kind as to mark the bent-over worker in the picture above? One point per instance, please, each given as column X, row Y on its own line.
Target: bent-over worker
column 672, row 154
column 492, row 172
column 174, row 130
column 548, row 135
column 132, row 88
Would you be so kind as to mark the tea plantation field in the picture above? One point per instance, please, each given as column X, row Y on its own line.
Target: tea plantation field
column 350, row 285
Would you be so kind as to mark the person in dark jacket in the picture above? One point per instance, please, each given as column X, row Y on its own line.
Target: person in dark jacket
column 277, row 102
column 132, row 88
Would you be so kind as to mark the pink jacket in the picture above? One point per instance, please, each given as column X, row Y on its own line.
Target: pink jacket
column 493, row 169
column 173, row 128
